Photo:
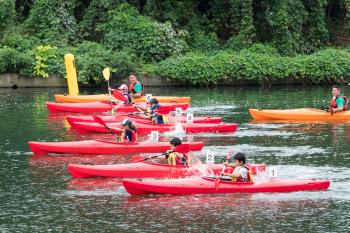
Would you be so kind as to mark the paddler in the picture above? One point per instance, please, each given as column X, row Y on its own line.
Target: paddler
column 136, row 88
column 338, row 103
column 151, row 113
column 129, row 134
column 179, row 154
column 240, row 173
column 125, row 90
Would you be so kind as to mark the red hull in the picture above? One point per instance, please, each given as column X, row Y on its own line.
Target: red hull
column 147, row 170
column 147, row 128
column 103, row 147
column 199, row 185
column 105, row 107
column 117, row 118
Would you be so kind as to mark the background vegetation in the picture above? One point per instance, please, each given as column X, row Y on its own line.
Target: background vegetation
column 192, row 41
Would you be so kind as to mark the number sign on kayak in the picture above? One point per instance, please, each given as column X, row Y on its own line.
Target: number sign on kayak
column 178, row 112
column 189, row 118
column 273, row 172
column 154, row 136
column 148, row 98
column 209, row 158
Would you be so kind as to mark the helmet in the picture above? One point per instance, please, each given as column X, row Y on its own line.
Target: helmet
column 123, row 87
column 240, row 157
column 153, row 101
column 175, row 141
column 126, row 122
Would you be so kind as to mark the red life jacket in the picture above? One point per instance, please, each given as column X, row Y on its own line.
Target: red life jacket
column 133, row 137
column 333, row 102
column 132, row 88
column 182, row 161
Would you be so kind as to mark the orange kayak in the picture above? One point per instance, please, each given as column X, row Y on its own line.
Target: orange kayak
column 299, row 114
column 105, row 98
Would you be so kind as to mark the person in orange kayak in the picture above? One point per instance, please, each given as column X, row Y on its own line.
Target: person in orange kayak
column 136, row 88
column 240, row 173
column 129, row 134
column 125, row 90
column 179, row 154
column 338, row 103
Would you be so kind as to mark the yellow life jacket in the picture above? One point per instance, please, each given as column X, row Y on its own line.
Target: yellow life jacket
column 172, row 159
column 165, row 119
column 249, row 176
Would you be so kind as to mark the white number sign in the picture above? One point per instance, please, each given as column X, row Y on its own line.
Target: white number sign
column 189, row 118
column 209, row 158
column 273, row 172
column 148, row 97
column 154, row 136
column 178, row 112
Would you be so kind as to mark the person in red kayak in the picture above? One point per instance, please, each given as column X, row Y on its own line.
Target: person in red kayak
column 136, row 88
column 338, row 103
column 129, row 134
column 151, row 113
column 240, row 173
column 179, row 154
column 125, row 90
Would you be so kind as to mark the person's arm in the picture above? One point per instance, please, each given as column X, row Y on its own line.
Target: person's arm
column 234, row 174
column 136, row 95
column 179, row 155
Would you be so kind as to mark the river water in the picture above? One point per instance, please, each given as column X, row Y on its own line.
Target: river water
column 38, row 195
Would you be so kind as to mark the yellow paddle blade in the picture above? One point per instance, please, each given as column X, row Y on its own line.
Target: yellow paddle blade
column 106, row 73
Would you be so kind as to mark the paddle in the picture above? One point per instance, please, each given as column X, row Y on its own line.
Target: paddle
column 150, row 157
column 118, row 95
column 217, row 181
column 102, row 122
column 183, row 148
column 107, row 74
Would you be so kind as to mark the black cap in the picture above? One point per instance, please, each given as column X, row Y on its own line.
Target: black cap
column 175, row 141
column 240, row 157
column 127, row 122
column 153, row 101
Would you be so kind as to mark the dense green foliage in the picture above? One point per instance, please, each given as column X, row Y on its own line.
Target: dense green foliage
column 196, row 41
column 254, row 64
column 7, row 14
column 150, row 40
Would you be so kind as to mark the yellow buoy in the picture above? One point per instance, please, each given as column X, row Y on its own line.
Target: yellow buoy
column 71, row 71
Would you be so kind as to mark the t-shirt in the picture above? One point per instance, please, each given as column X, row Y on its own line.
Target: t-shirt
column 242, row 171
column 340, row 102
column 138, row 87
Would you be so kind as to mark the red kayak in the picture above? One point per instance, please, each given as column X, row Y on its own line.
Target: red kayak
column 208, row 185
column 104, row 147
column 119, row 118
column 105, row 107
column 148, row 170
column 147, row 128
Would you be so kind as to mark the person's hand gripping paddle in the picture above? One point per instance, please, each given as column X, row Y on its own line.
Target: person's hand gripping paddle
column 217, row 181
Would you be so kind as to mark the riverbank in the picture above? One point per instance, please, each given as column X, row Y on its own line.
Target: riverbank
column 13, row 80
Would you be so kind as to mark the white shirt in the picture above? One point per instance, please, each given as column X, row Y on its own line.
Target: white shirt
column 243, row 172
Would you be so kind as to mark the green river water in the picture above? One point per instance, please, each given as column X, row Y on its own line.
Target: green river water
column 38, row 194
